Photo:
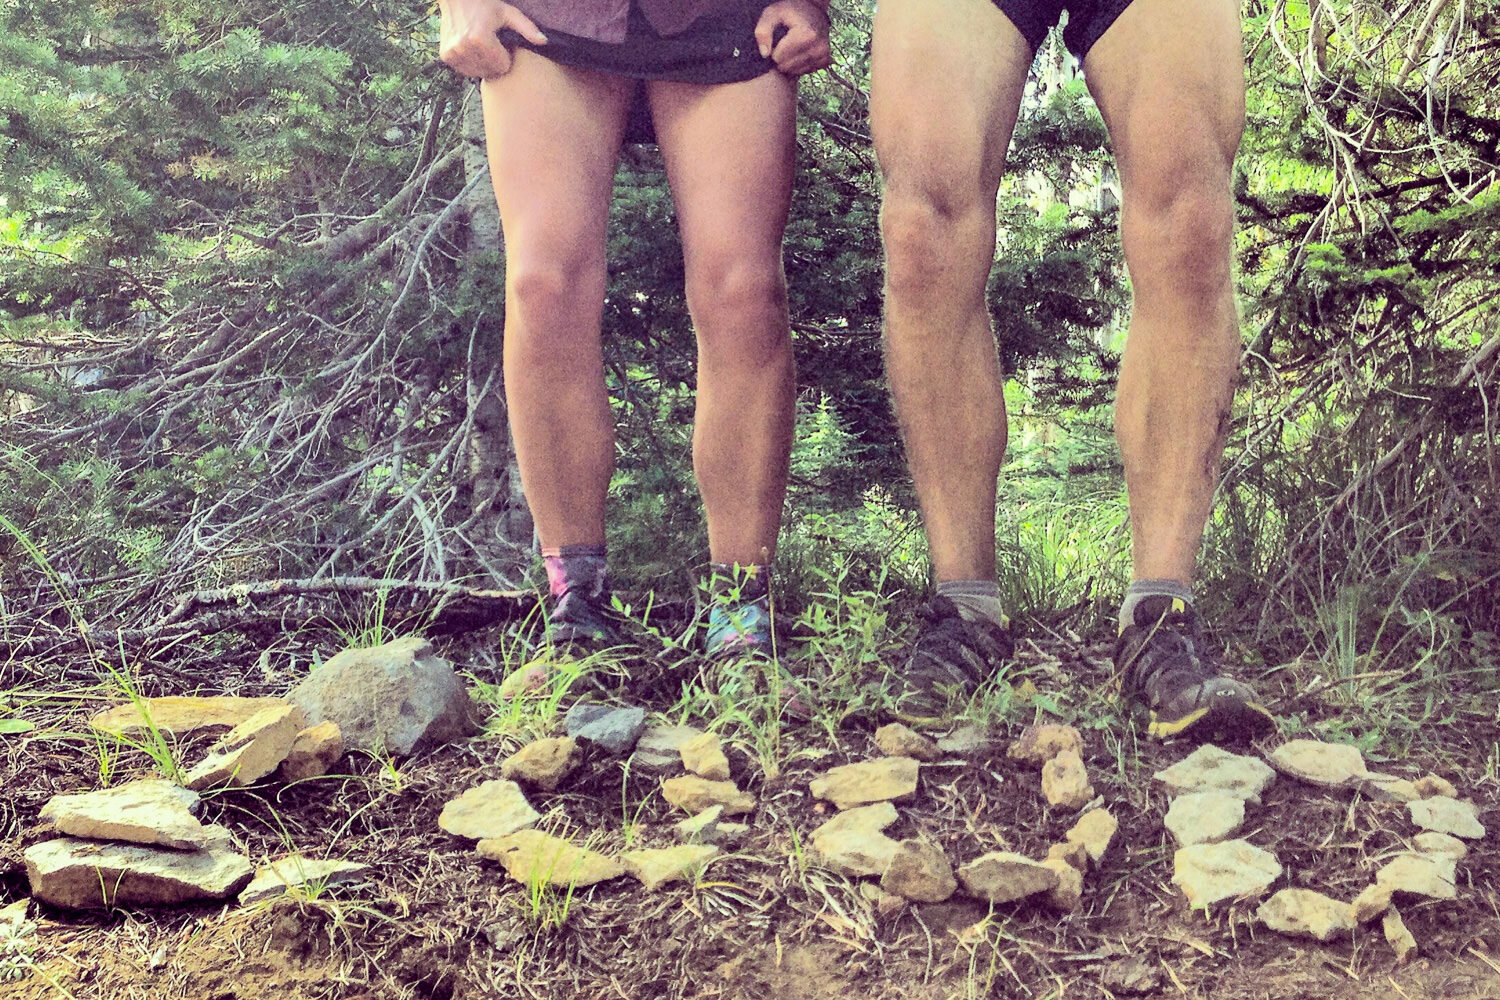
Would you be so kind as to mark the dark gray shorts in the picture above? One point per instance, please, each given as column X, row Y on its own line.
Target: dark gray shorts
column 1088, row 20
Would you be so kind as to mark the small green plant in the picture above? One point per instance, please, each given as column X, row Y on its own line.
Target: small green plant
column 153, row 744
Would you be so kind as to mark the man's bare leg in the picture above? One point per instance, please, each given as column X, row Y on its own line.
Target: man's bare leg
column 729, row 152
column 1168, row 76
column 946, row 82
column 554, row 137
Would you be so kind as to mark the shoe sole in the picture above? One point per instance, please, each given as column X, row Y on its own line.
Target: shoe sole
column 1240, row 720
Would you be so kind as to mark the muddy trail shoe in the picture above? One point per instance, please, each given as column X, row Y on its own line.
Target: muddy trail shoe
column 579, row 618
column 738, row 628
column 1165, row 670
column 947, row 662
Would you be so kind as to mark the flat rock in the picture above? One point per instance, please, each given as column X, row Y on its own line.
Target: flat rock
column 491, row 809
column 919, row 871
column 178, row 716
column 1065, row 781
column 1445, row 815
column 1039, row 743
column 694, row 794
column 93, row 875
column 543, row 764
column 1421, row 875
column 296, row 872
column 655, row 867
column 885, row 779
column 1071, row 853
column 532, row 857
column 659, row 750
column 615, row 729
column 1067, row 895
column 703, row 755
column 1430, row 785
column 851, row 842
column 1210, row 769
column 314, row 752
column 1372, row 901
column 1001, row 877
column 1208, row 873
column 250, row 751
column 1304, row 913
column 701, row 828
column 1328, row 765
column 1205, row 817
column 393, row 699
column 151, row 811
column 1386, row 788
column 1095, row 830
column 1397, row 936
column 1442, row 844
column 897, row 740
column 1131, row 977
column 967, row 741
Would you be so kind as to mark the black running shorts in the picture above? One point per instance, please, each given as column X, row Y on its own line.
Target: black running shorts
column 718, row 48
column 1088, row 20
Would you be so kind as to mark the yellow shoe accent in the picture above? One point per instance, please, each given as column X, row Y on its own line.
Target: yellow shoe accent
column 1161, row 730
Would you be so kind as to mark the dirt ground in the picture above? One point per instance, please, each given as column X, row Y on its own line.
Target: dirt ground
column 435, row 921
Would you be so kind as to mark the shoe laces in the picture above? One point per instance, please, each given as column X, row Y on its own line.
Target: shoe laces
column 1167, row 656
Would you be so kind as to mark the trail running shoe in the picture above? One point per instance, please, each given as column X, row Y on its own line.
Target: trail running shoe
column 581, row 617
column 1164, row 669
column 738, row 628
column 950, row 657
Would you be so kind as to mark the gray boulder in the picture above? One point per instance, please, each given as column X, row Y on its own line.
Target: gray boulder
column 392, row 699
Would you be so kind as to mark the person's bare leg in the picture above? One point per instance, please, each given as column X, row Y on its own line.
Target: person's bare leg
column 729, row 152
column 946, row 82
column 554, row 137
column 1168, row 76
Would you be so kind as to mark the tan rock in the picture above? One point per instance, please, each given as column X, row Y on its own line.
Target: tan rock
column 851, row 842
column 1446, row 815
column 1421, row 875
column 896, row 740
column 1372, row 901
column 888, row 905
column 1095, row 830
column 1398, row 937
column 314, row 753
column 1041, row 742
column 491, row 809
column 1067, row 895
column 1001, row 877
column 1204, row 817
column 296, row 872
column 1070, row 852
column 655, row 867
column 1442, row 844
column 885, row 779
column 1210, row 769
column 1386, row 788
column 919, row 871
column 151, row 811
column 91, row 875
column 532, row 857
column 1431, row 785
column 543, row 764
column 659, row 750
column 1304, row 913
column 1208, row 873
column 1065, row 781
column 178, row 716
column 1328, row 765
column 249, row 751
column 694, row 794
column 702, row 827
column 703, row 755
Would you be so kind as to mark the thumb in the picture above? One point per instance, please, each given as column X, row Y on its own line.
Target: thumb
column 525, row 27
column 765, row 32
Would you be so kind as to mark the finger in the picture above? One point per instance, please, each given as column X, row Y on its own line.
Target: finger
column 794, row 43
column 525, row 27
column 481, row 57
column 765, row 31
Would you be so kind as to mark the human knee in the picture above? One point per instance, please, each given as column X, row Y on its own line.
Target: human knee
column 732, row 299
column 554, row 284
column 1180, row 235
column 929, row 237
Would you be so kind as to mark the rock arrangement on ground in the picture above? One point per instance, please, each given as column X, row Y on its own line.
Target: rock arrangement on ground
column 141, row 843
column 1211, row 789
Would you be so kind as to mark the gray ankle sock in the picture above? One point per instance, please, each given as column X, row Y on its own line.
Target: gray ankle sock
column 1142, row 589
column 975, row 600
